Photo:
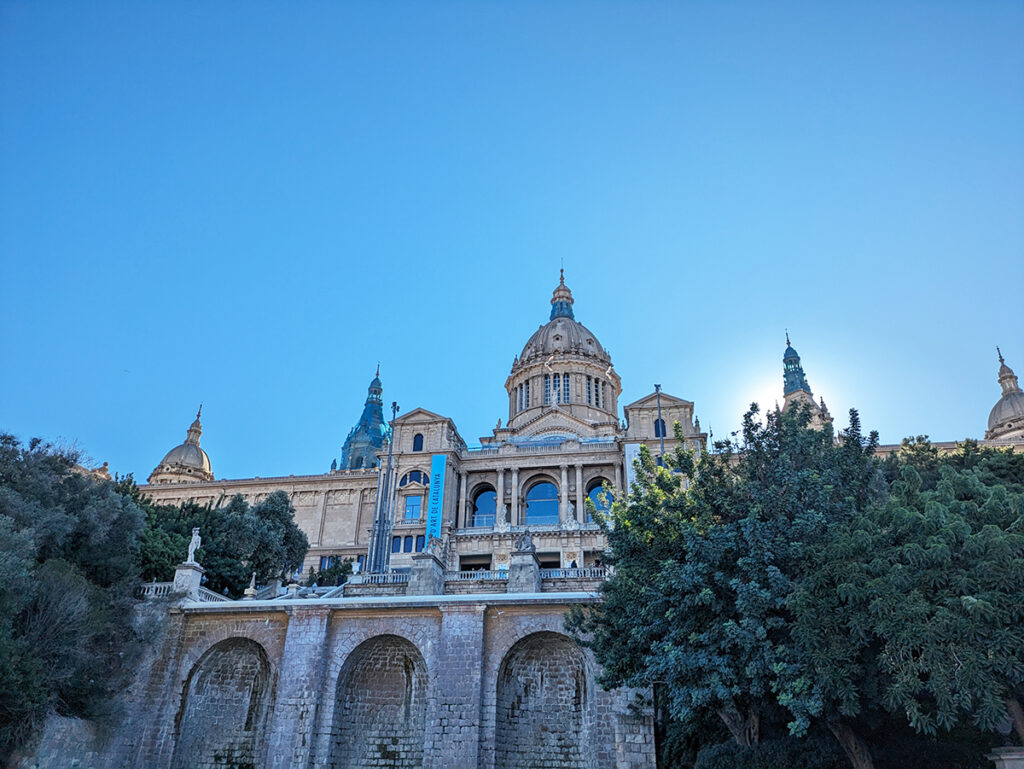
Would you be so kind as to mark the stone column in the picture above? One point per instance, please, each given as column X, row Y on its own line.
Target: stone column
column 462, row 501
column 501, row 492
column 514, row 507
column 427, row 577
column 563, row 504
column 618, row 478
column 453, row 734
column 299, row 686
column 581, row 508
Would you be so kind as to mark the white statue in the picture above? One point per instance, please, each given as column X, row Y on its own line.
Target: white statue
column 570, row 521
column 194, row 545
column 502, row 524
column 252, row 582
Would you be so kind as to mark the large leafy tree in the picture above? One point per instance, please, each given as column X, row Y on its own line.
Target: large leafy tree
column 68, row 571
column 924, row 595
column 238, row 539
column 699, row 602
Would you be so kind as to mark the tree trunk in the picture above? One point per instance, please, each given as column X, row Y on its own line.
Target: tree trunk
column 855, row 748
column 1016, row 712
column 745, row 729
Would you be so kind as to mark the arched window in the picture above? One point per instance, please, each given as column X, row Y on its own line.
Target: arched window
column 659, row 428
column 601, row 499
column 485, row 506
column 396, row 544
column 420, row 542
column 417, row 442
column 565, row 388
column 542, row 504
column 547, row 389
column 415, row 476
column 558, row 388
column 597, row 392
column 408, row 544
column 590, row 390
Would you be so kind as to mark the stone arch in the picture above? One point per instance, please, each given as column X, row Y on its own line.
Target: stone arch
column 381, row 706
column 544, row 705
column 225, row 705
column 482, row 506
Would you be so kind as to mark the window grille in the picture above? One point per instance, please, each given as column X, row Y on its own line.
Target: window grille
column 590, row 394
column 565, row 388
column 547, row 389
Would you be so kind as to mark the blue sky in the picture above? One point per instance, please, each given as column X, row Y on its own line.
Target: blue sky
column 250, row 204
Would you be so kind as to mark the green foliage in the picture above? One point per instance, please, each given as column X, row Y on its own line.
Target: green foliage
column 68, row 568
column 237, row 540
column 336, row 574
column 816, row 752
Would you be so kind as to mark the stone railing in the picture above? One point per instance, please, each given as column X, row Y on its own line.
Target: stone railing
column 390, row 578
column 468, row 576
column 588, row 572
column 208, row 596
column 156, row 589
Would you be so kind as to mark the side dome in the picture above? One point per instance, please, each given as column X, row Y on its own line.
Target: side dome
column 1006, row 419
column 187, row 463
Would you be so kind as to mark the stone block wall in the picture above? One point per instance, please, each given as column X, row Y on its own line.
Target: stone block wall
column 452, row 682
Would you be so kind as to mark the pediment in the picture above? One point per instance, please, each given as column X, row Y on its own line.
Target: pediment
column 420, row 415
column 556, row 421
column 651, row 401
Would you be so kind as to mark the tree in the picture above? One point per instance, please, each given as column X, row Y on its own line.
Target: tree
column 700, row 603
column 68, row 571
column 237, row 540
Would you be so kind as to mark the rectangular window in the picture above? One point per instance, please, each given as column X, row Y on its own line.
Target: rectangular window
column 565, row 388
column 412, row 508
column 526, row 394
column 604, row 394
column 396, row 544
column 597, row 393
column 408, row 544
column 558, row 389
column 520, row 388
column 590, row 396
column 420, row 542
column 547, row 389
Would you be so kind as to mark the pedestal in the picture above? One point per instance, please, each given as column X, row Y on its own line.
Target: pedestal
column 524, row 572
column 1007, row 758
column 187, row 579
column 427, row 577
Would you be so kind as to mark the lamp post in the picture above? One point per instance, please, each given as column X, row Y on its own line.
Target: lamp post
column 660, row 426
column 380, row 550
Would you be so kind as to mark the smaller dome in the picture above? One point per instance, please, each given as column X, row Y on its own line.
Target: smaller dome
column 1008, row 412
column 188, row 454
column 1007, row 417
column 187, row 462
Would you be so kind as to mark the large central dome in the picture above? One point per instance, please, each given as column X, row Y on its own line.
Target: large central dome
column 563, row 382
column 563, row 334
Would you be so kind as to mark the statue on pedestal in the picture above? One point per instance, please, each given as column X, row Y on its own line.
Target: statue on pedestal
column 194, row 545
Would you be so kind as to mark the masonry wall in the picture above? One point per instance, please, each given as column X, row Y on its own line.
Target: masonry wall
column 452, row 682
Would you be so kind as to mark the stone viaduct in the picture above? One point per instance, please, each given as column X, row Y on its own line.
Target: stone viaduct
column 485, row 680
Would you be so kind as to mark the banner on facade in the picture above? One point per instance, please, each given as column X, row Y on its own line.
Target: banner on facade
column 437, row 466
column 632, row 453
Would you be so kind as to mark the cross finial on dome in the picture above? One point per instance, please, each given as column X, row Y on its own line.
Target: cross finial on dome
column 378, row 369
column 787, row 338
column 1000, row 354
column 200, row 412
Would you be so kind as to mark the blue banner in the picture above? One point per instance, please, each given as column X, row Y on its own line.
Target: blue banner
column 437, row 467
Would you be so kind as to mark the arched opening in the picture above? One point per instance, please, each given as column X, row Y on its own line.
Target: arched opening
column 417, row 442
column 659, row 428
column 602, row 499
column 381, row 706
column 542, row 504
column 485, row 506
column 223, row 715
column 544, row 712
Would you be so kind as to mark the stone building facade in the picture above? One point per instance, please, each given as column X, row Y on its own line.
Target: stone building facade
column 561, row 445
